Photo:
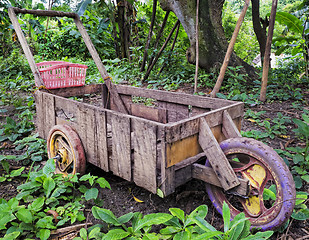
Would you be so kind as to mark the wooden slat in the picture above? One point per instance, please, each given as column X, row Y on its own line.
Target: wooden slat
column 190, row 126
column 182, row 149
column 173, row 97
column 208, row 175
column 49, row 113
column 145, row 155
column 23, row 42
column 77, row 91
column 120, row 163
column 87, row 132
column 216, row 157
column 96, row 58
column 46, row 13
column 40, row 117
column 167, row 180
column 101, row 140
column 229, row 129
column 149, row 112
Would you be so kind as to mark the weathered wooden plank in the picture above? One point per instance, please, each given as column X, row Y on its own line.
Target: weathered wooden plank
column 145, row 155
column 216, row 157
column 49, row 113
column 183, row 175
column 87, row 132
column 96, row 58
column 101, row 140
column 182, row 149
column 149, row 112
column 23, row 42
column 120, row 163
column 46, row 13
column 40, row 114
column 190, row 126
column 197, row 111
column 207, row 174
column 174, row 97
column 77, row 91
column 167, row 180
column 229, row 128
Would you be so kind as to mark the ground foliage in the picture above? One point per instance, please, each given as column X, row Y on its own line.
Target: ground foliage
column 281, row 122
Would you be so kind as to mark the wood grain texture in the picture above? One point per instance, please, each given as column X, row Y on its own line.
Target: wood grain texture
column 101, row 140
column 120, row 163
column 229, row 128
column 216, row 157
column 87, row 132
column 173, row 97
column 190, row 126
column 39, row 113
column 49, row 113
column 149, row 112
column 77, row 91
column 145, row 155
column 167, row 175
column 23, row 42
column 207, row 175
column 182, row 149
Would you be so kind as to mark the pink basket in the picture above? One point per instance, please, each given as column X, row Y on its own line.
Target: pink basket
column 59, row 74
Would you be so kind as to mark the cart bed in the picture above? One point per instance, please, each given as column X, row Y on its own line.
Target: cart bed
column 153, row 146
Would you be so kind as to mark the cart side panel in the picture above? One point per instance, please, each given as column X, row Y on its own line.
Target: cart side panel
column 184, row 135
column 145, row 154
column 120, row 163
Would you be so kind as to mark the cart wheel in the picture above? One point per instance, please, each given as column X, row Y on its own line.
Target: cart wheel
column 65, row 146
column 266, row 172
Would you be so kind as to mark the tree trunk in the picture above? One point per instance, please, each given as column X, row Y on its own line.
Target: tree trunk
column 212, row 41
column 260, row 30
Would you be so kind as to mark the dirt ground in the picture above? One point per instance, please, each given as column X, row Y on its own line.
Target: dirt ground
column 120, row 199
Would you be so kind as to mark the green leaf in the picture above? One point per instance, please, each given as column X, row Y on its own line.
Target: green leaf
column 170, row 230
column 48, row 185
column 268, row 194
column 208, row 235
column 37, row 204
column 6, row 218
column 91, row 193
column 305, row 178
column 160, row 193
column 83, row 233
column 220, row 95
column 94, row 233
column 200, row 211
column 24, row 215
column 152, row 219
column 301, row 215
column 103, row 183
column 11, row 236
column 182, row 236
column 49, row 167
column 44, row 234
column 180, row 214
column 125, row 218
column 226, row 216
column 105, row 215
column 293, row 23
column 237, row 226
column 116, row 234
column 203, row 224
column 260, row 235
column 17, row 172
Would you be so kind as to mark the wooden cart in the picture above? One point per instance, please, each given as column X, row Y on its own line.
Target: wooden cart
column 160, row 146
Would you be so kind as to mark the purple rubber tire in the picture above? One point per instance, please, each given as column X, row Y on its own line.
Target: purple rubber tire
column 275, row 168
